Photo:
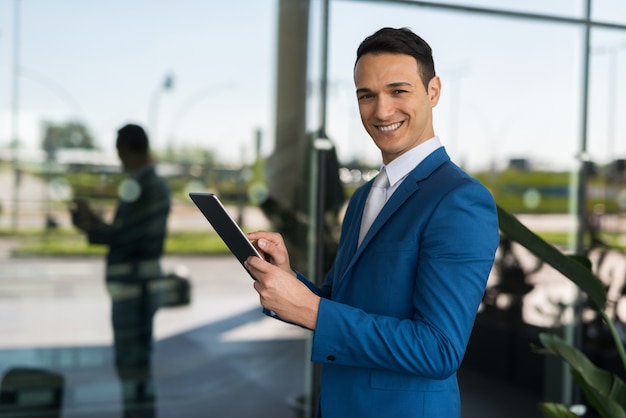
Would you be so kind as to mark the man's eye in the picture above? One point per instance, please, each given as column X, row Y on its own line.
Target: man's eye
column 364, row 97
column 399, row 91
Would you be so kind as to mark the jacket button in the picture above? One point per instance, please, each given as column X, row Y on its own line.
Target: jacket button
column 330, row 358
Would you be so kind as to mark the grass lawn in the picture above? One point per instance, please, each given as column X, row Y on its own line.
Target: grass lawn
column 67, row 242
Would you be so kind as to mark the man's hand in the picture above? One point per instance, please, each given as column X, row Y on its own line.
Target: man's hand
column 272, row 247
column 276, row 283
column 82, row 215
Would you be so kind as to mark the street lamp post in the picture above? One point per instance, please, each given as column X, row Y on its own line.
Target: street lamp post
column 168, row 84
column 612, row 92
column 612, row 52
column 190, row 103
column 15, row 114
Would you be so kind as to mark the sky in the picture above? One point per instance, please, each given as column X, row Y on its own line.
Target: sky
column 511, row 88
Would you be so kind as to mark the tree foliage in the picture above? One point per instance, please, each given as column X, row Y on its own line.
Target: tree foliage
column 66, row 135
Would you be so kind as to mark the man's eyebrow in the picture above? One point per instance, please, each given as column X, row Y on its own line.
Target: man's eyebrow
column 399, row 84
column 393, row 85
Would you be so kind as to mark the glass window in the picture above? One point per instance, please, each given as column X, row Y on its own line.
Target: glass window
column 87, row 334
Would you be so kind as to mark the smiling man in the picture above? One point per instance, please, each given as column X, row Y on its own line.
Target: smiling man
column 395, row 105
column 393, row 317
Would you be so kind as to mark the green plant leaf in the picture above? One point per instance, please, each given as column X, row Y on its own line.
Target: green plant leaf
column 555, row 410
column 582, row 276
column 605, row 405
column 605, row 392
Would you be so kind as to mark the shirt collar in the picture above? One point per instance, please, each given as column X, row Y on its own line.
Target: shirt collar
column 400, row 167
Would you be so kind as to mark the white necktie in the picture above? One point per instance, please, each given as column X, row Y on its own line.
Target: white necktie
column 375, row 202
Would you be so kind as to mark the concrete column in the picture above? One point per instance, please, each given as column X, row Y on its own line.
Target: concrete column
column 285, row 166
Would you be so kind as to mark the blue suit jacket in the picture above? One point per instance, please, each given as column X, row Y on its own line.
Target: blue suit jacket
column 397, row 312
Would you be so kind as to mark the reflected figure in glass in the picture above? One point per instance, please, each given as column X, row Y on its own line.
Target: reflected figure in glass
column 135, row 240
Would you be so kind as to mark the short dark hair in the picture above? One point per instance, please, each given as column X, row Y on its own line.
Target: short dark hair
column 400, row 41
column 134, row 138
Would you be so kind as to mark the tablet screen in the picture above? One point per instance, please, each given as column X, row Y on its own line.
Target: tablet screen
column 225, row 226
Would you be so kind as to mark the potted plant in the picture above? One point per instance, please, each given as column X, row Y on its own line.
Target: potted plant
column 605, row 391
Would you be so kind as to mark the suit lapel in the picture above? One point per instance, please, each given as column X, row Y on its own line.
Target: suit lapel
column 409, row 186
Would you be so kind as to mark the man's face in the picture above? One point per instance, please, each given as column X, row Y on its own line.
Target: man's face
column 123, row 154
column 395, row 108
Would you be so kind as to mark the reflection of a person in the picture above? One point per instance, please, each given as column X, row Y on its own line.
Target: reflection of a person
column 135, row 239
column 392, row 320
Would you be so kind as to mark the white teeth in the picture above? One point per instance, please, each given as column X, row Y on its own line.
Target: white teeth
column 390, row 128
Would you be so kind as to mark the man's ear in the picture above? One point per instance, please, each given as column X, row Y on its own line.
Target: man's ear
column 434, row 90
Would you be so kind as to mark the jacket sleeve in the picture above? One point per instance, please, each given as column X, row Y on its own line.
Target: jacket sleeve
column 445, row 273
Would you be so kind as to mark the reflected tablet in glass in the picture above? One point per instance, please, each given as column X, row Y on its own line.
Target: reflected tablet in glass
column 225, row 226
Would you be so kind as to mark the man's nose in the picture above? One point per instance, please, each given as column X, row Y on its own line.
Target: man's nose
column 384, row 107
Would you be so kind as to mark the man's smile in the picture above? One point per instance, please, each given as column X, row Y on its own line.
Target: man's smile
column 389, row 128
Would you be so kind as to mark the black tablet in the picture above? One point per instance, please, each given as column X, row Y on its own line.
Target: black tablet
column 225, row 226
